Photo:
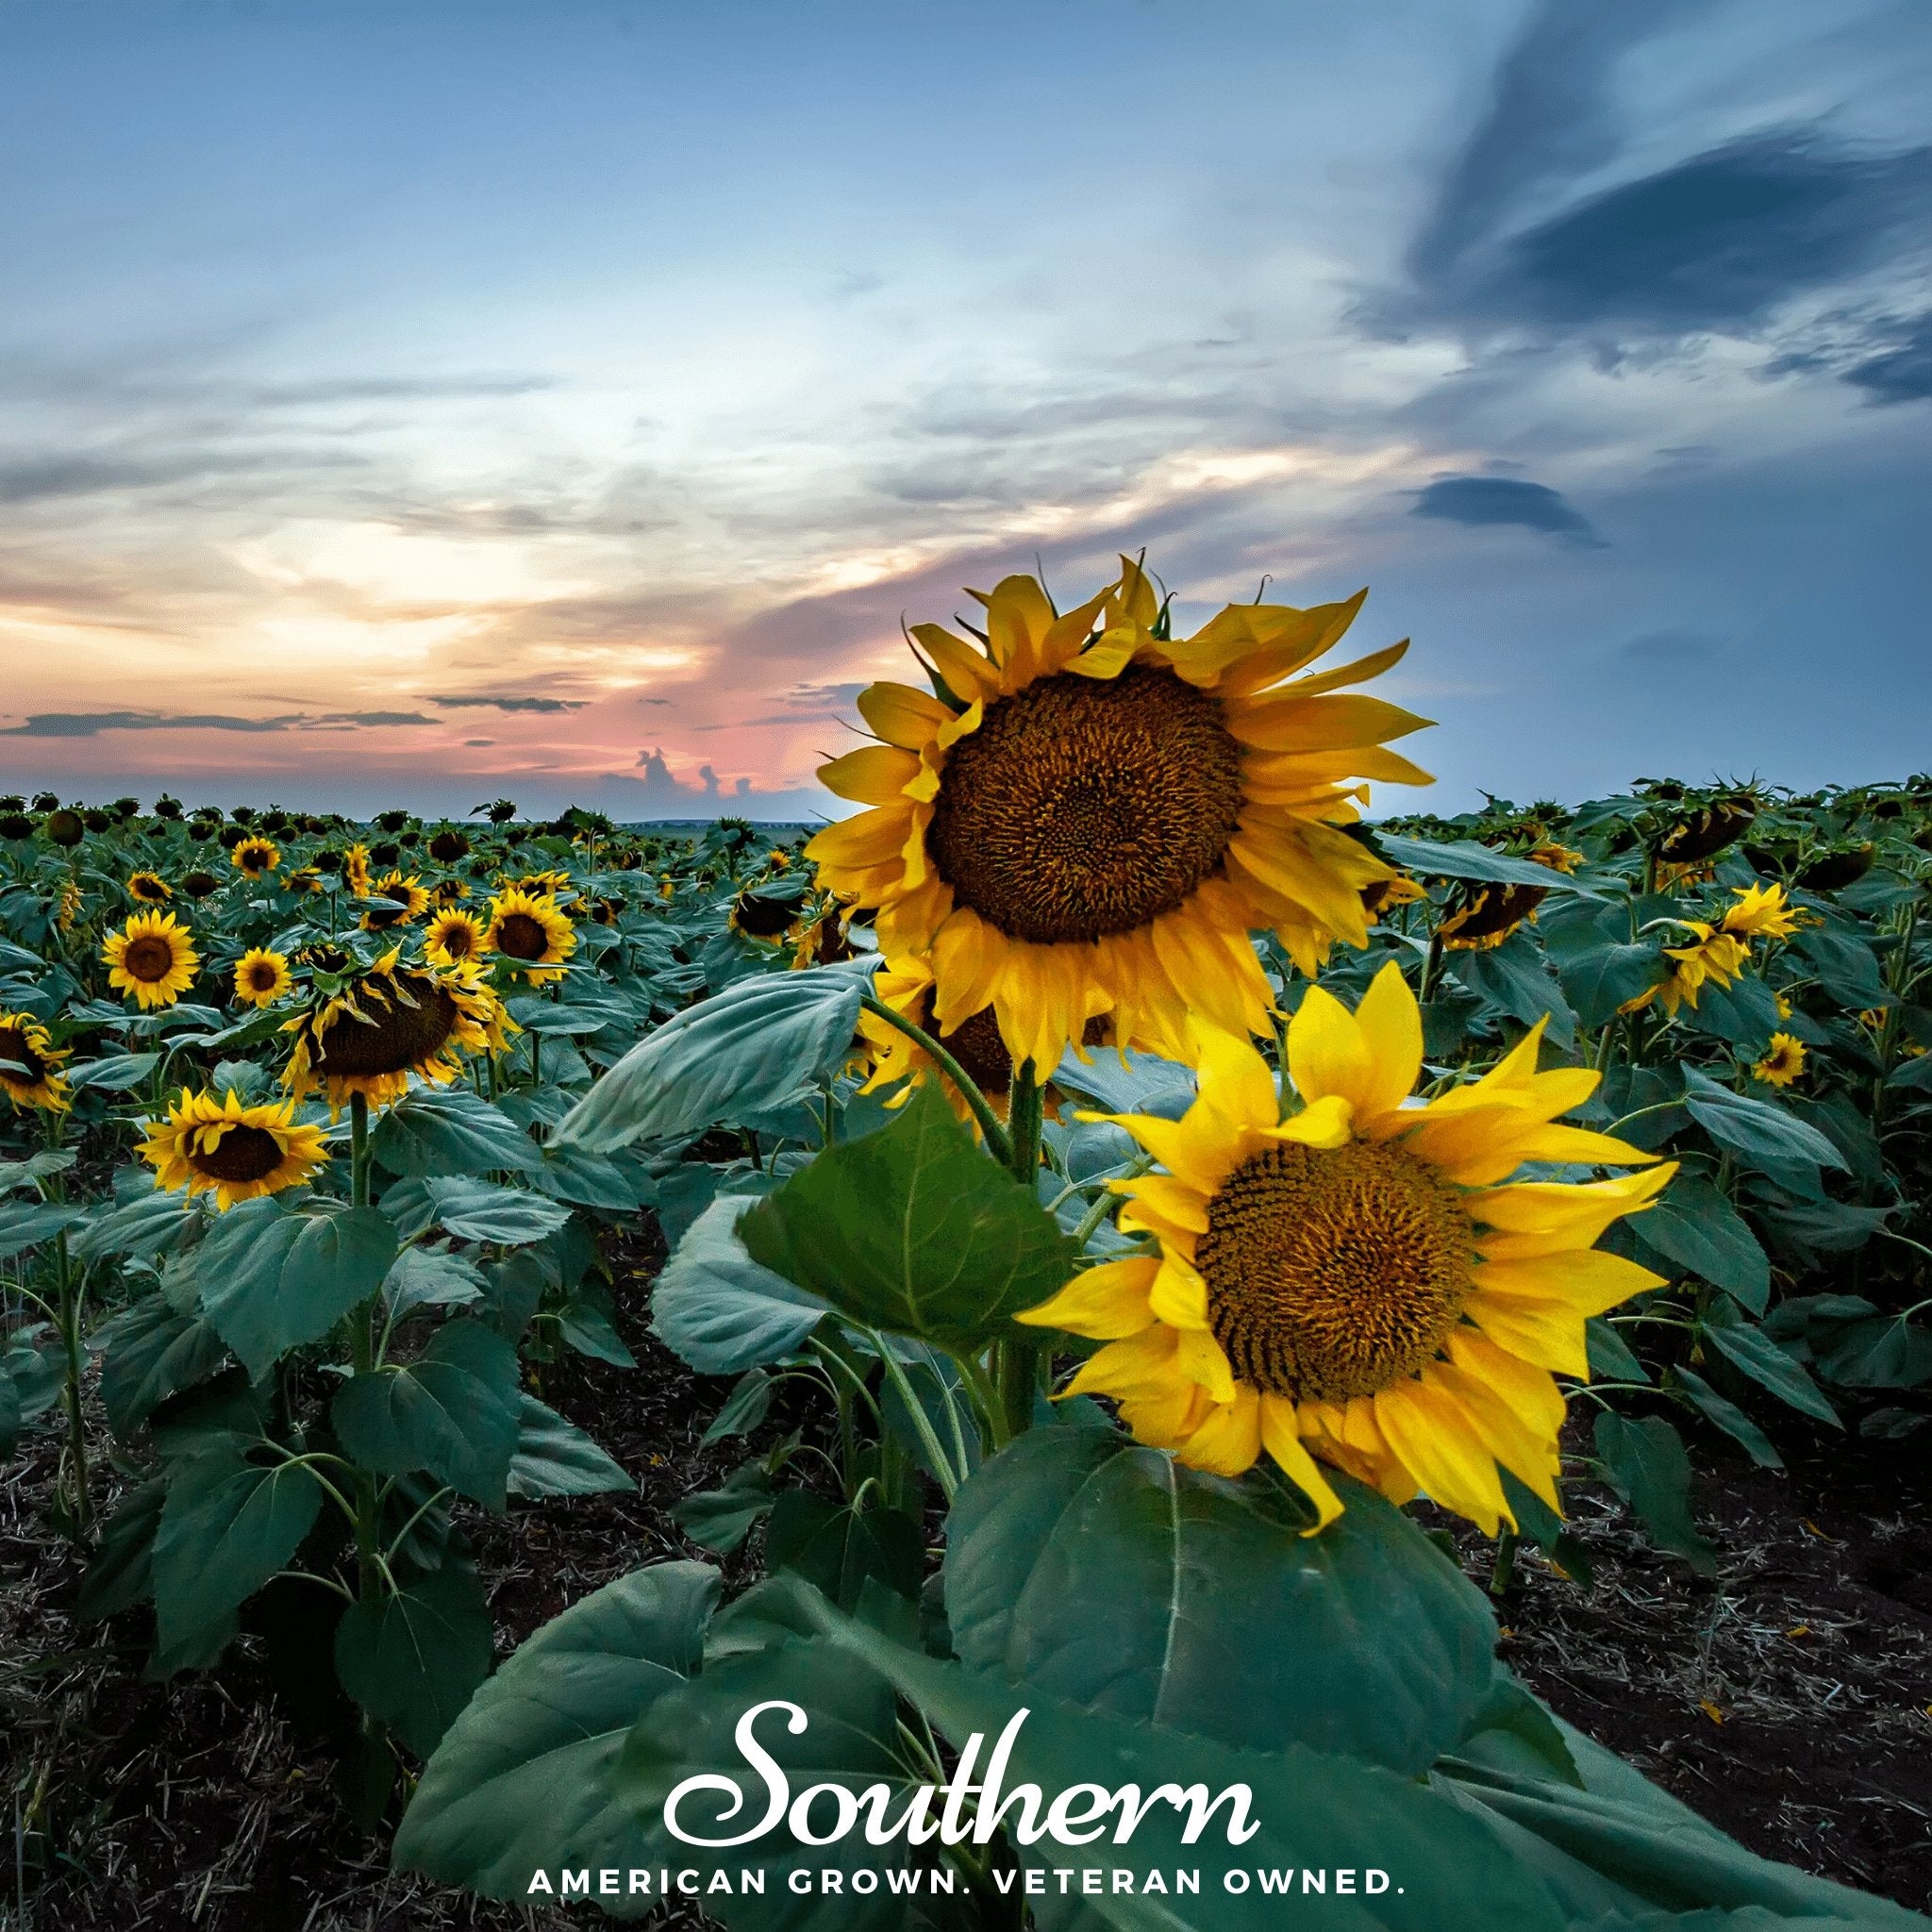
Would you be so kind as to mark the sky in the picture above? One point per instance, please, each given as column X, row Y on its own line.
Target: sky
column 417, row 403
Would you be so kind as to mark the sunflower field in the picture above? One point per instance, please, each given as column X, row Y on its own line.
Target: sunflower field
column 1144, row 1239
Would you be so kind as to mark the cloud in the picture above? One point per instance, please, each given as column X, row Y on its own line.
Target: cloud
column 92, row 724
column 510, row 704
column 1676, row 647
column 1899, row 375
column 1503, row 500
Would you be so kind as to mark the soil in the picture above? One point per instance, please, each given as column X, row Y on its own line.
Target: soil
column 1790, row 1701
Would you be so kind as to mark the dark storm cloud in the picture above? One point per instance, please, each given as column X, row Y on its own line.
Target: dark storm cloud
column 508, row 704
column 1503, row 500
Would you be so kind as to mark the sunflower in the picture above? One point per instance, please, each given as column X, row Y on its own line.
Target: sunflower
column 256, row 857
column 1384, row 895
column 905, row 986
column 1485, row 915
column 454, row 938
column 1763, row 912
column 198, row 884
column 355, row 871
column 1783, row 1062
column 1107, row 818
column 411, row 902
column 449, row 890
column 528, row 930
column 149, row 888
column 387, row 1023
column 1712, row 958
column 305, row 878
column 752, row 917
column 550, row 882
column 261, row 976
column 1360, row 1283
column 153, row 958
column 30, row 1064
column 667, row 887
column 231, row 1151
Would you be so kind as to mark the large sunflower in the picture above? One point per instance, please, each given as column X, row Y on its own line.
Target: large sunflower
column 153, row 958
column 389, row 1022
column 30, row 1064
column 1360, row 1283
column 530, row 932
column 1104, row 819
column 261, row 976
column 410, row 902
column 455, row 939
column 231, row 1151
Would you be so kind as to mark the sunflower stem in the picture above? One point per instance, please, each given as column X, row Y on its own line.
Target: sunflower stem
column 1503, row 1574
column 996, row 1142
column 362, row 1355
column 1020, row 1360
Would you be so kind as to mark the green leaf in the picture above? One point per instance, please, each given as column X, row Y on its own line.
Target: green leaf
column 1538, row 1523
column 717, row 1309
column 153, row 1222
column 429, row 1277
column 721, row 1519
column 1600, row 980
column 1464, row 859
column 589, row 1180
column 556, row 1458
column 1744, row 1014
column 1512, row 976
column 414, row 1659
column 1847, row 968
column 153, row 1353
column 1611, row 1356
column 1758, row 1355
column 1646, row 1465
column 120, row 1573
column 119, row 1073
column 273, row 1277
column 35, row 1167
column 1754, row 1128
column 522, row 1777
column 752, row 1047
column 483, row 1211
column 1694, row 1227
column 1127, row 1082
column 1880, row 1352
column 453, row 1411
column 1090, row 1569
column 1727, row 1416
column 227, row 1525
column 450, row 1130
column 1513, row 1732
column 914, row 1230
column 745, row 1407
column 837, row 1549
column 10, row 1417
column 588, row 1322
column 26, row 1225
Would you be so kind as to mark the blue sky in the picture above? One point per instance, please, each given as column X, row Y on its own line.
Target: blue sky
column 417, row 403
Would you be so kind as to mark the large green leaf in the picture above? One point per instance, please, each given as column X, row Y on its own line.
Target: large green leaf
column 453, row 1411
column 1514, row 978
column 147, row 1224
column 752, row 1047
column 521, row 1780
column 1090, row 1569
column 1646, row 1465
column 153, row 1353
column 1744, row 1014
column 431, row 1277
column 121, row 1571
column 556, row 1458
column 26, row 1225
column 1727, row 1416
column 413, row 1658
column 838, row 1549
column 913, row 1229
column 444, row 1130
column 484, row 1212
column 227, row 1525
column 1753, row 1352
column 1754, row 1128
column 1601, row 979
column 1695, row 1227
column 1463, row 860
column 718, row 1310
column 273, row 1278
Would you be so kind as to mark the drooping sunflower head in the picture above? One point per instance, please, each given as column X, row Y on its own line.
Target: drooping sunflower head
column 30, row 1064
column 149, row 888
column 198, row 884
column 760, row 916
column 1360, row 1283
column 1483, row 915
column 355, row 871
column 409, row 902
column 305, row 878
column 256, row 857
column 455, row 939
column 1096, row 812
column 152, row 959
column 907, row 986
column 389, row 1021
column 530, row 931
column 1783, row 1061
column 233, row 1152
column 261, row 976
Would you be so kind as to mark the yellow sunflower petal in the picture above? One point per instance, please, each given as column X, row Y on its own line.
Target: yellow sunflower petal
column 1104, row 1303
column 1281, row 1438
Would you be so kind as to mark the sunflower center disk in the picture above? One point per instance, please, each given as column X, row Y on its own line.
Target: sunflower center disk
column 390, row 1039
column 1084, row 808
column 242, row 1154
column 148, row 959
column 521, row 937
column 1333, row 1274
column 14, row 1047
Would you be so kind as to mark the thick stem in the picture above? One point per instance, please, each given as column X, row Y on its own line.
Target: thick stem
column 362, row 1355
column 1021, row 1359
column 72, row 1296
column 1503, row 1574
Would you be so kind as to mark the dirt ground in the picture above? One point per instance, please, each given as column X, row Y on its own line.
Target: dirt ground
column 1787, row 1701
